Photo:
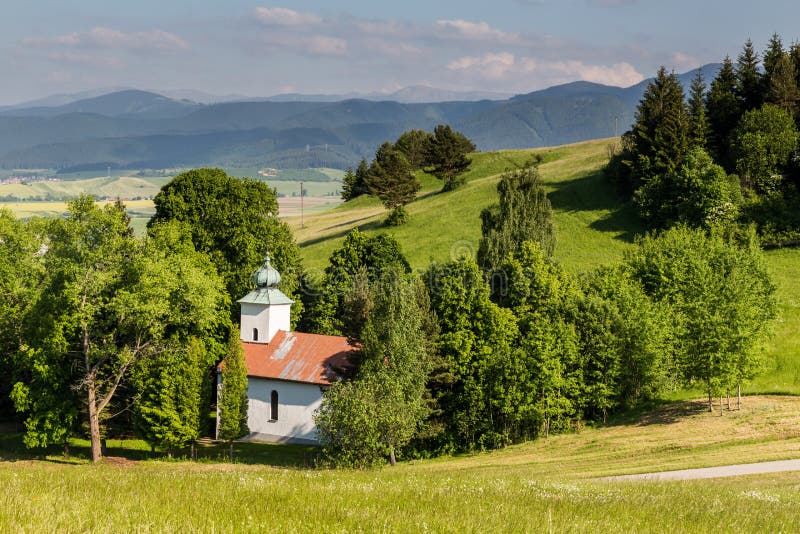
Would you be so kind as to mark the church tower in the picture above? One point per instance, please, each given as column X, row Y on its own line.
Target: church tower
column 266, row 309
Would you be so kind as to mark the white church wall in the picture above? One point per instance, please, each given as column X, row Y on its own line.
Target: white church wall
column 266, row 319
column 296, row 405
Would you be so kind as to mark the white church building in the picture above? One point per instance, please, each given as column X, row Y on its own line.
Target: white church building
column 286, row 371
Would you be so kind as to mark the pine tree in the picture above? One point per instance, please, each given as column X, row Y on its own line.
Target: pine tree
column 348, row 182
column 794, row 54
column 660, row 129
column 723, row 112
column 698, row 122
column 414, row 146
column 771, row 57
column 782, row 89
column 748, row 78
column 232, row 402
column 390, row 179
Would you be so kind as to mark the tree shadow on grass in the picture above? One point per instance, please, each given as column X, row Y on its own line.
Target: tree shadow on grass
column 658, row 412
column 126, row 452
column 594, row 192
column 371, row 225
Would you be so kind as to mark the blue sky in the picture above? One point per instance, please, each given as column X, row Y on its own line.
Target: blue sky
column 313, row 46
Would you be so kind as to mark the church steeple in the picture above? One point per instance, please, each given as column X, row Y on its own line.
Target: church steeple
column 266, row 309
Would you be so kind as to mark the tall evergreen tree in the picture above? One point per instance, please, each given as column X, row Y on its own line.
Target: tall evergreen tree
column 794, row 54
column 355, row 182
column 772, row 55
column 698, row 122
column 749, row 87
column 660, row 128
column 723, row 111
column 232, row 401
column 782, row 89
column 522, row 214
column 390, row 179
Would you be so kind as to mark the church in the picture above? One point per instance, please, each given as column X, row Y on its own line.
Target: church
column 286, row 371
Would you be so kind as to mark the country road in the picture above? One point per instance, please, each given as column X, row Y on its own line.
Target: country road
column 714, row 472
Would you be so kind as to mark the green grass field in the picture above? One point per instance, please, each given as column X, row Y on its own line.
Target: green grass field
column 547, row 485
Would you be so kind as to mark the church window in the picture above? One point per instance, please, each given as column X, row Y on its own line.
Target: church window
column 274, row 406
column 255, row 334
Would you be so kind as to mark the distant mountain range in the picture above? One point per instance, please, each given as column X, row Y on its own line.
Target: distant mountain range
column 139, row 129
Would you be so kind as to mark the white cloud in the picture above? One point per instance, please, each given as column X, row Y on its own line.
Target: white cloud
column 109, row 38
column 282, row 16
column 684, row 62
column 517, row 71
column 480, row 31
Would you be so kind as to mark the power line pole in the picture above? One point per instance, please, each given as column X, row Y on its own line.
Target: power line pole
column 302, row 220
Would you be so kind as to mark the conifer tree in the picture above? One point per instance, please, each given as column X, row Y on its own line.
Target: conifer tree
column 698, row 122
column 414, row 146
column 390, row 179
column 771, row 57
column 782, row 89
column 748, row 78
column 723, row 112
column 232, row 401
column 660, row 129
column 794, row 54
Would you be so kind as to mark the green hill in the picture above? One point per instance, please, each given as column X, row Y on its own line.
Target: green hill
column 593, row 227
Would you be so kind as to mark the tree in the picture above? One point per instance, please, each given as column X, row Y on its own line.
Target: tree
column 355, row 183
column 378, row 413
column 660, row 126
column 522, row 214
column 475, row 335
column 782, row 89
column 698, row 122
column 21, row 272
column 108, row 302
column 723, row 112
column 772, row 56
column 413, row 144
column 625, row 339
column 762, row 145
column 360, row 260
column 722, row 299
column 169, row 409
column 232, row 400
column 749, row 83
column 233, row 221
column 698, row 193
column 390, row 179
column 447, row 155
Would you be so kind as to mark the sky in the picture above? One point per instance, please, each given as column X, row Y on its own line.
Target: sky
column 313, row 46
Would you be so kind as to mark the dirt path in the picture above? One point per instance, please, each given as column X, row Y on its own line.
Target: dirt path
column 715, row 472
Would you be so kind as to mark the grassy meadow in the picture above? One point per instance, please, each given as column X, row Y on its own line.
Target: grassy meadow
column 548, row 485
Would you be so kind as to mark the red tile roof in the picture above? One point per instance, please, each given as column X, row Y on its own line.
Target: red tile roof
column 298, row 357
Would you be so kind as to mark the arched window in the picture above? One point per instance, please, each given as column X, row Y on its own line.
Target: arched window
column 255, row 334
column 274, row 406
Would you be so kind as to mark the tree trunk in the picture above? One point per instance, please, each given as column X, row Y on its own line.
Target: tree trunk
column 739, row 396
column 231, row 451
column 66, row 448
column 193, row 452
column 720, row 405
column 710, row 402
column 169, row 453
column 729, row 400
column 392, row 459
column 94, row 422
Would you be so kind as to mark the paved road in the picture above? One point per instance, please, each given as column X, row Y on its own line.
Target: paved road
column 715, row 472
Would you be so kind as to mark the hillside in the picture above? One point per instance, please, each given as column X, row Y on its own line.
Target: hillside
column 593, row 228
column 137, row 129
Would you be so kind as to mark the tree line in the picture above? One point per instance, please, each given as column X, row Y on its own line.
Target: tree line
column 723, row 155
column 485, row 351
column 103, row 333
column 390, row 176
